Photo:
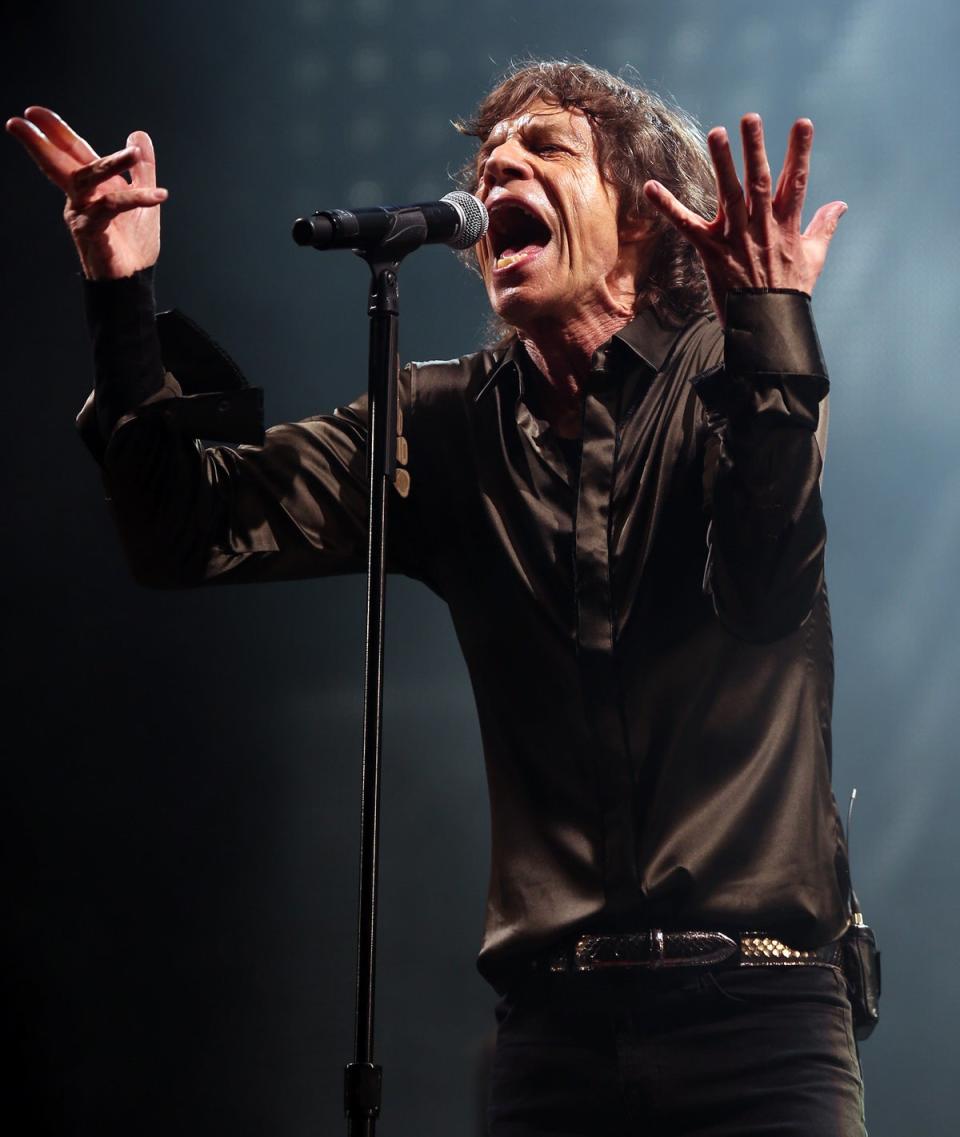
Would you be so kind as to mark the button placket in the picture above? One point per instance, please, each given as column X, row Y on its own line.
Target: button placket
column 595, row 635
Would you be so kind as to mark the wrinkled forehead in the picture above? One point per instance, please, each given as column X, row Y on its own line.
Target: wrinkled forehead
column 537, row 115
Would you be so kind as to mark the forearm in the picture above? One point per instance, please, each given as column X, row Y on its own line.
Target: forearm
column 767, row 533
column 167, row 493
column 152, row 473
column 128, row 365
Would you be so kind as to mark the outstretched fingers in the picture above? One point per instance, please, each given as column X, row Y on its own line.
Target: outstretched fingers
column 111, row 207
column 755, row 240
column 756, row 175
column 74, row 166
column 825, row 221
column 729, row 190
column 792, row 184
column 690, row 224
column 64, row 137
column 52, row 161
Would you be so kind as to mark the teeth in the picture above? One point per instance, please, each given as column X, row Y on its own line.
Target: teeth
column 505, row 262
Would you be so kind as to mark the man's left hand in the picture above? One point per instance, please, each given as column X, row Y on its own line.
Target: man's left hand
column 755, row 240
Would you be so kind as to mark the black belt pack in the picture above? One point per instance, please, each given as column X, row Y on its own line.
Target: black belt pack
column 861, row 969
column 861, row 958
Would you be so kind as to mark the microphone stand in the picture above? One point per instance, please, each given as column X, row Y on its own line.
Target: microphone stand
column 363, row 1077
column 382, row 238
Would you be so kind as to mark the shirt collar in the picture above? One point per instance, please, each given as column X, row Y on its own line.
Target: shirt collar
column 648, row 338
column 645, row 336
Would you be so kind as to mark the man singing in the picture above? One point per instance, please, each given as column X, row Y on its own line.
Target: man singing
column 620, row 503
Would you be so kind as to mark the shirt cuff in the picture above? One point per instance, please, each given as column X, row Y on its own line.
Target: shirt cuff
column 128, row 366
column 773, row 364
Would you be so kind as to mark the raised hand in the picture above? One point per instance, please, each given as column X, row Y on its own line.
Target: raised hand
column 755, row 240
column 115, row 223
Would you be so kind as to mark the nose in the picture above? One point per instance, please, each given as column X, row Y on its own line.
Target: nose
column 506, row 163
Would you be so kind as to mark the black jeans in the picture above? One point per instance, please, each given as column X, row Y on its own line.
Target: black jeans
column 739, row 1053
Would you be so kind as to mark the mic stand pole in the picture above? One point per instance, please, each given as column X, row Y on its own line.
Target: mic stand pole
column 363, row 1077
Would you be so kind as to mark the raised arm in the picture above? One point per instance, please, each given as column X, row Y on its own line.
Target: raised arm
column 187, row 514
column 766, row 404
column 755, row 240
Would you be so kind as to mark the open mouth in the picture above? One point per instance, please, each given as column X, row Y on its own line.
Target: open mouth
column 516, row 233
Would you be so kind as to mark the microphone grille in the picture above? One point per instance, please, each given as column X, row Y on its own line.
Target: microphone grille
column 474, row 218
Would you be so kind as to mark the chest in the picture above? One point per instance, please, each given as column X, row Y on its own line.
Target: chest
column 608, row 520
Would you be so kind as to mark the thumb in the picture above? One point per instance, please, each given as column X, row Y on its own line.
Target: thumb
column 144, row 173
column 825, row 220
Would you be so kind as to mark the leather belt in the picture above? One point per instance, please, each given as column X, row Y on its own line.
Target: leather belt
column 656, row 948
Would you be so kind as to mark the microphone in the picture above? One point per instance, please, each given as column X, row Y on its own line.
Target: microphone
column 458, row 219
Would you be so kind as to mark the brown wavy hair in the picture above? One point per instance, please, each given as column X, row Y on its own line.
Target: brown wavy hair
column 638, row 136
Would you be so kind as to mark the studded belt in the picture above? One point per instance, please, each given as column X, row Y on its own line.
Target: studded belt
column 653, row 949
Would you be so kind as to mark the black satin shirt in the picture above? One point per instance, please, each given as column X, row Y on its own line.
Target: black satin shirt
column 643, row 613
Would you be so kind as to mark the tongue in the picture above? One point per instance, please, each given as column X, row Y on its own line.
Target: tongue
column 510, row 255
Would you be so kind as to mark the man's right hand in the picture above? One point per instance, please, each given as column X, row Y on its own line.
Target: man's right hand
column 115, row 224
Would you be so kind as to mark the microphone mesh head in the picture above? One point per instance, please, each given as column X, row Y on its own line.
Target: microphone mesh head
column 474, row 218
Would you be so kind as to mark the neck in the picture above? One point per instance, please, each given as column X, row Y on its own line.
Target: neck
column 563, row 352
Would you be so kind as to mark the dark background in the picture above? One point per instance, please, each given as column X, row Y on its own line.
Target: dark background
column 180, row 771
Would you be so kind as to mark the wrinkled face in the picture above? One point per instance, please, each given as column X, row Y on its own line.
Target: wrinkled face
column 553, row 247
